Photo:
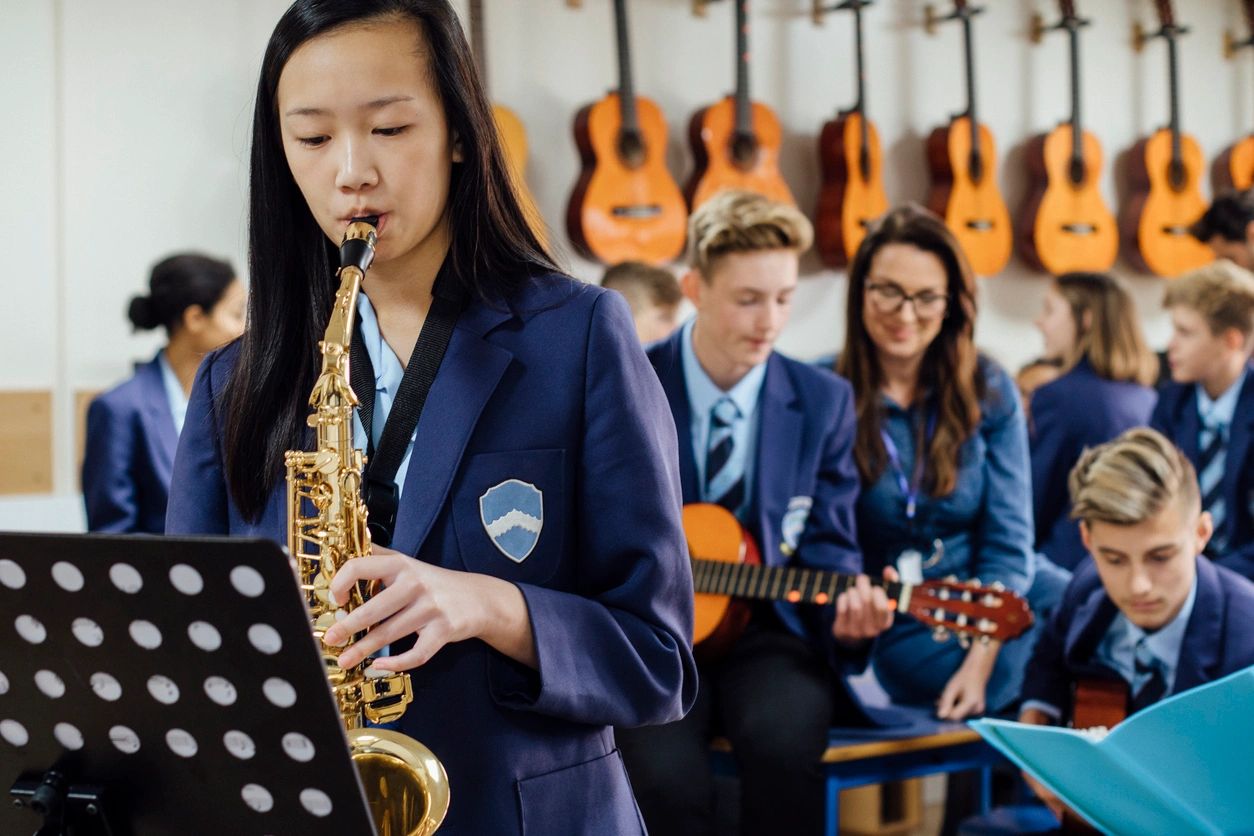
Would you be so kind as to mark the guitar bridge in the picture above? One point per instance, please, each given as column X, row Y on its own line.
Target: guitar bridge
column 1079, row 229
column 980, row 224
column 637, row 211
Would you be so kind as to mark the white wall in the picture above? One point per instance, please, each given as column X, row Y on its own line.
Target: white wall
column 129, row 125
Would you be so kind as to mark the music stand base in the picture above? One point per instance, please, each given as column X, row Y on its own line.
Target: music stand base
column 67, row 809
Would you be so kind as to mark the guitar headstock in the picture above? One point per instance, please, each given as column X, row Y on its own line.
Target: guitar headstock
column 970, row 610
column 1166, row 15
column 1067, row 8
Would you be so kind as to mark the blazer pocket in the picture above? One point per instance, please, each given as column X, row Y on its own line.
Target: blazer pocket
column 589, row 799
column 510, row 511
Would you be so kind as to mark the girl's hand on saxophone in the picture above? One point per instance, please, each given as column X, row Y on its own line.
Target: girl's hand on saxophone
column 438, row 605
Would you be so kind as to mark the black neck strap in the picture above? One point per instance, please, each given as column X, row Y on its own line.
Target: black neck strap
column 379, row 488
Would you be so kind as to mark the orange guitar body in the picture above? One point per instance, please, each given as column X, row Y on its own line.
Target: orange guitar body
column 514, row 141
column 714, row 534
column 1234, row 169
column 848, row 201
column 973, row 209
column 1066, row 225
column 1159, row 214
column 625, row 209
column 719, row 167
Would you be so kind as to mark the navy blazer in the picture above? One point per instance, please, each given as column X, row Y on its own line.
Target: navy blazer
column 1176, row 417
column 1218, row 640
column 128, row 455
column 805, row 454
column 1080, row 409
column 555, row 392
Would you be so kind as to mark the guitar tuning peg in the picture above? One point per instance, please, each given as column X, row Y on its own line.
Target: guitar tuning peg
column 976, row 582
column 951, row 578
column 964, row 641
column 985, row 639
column 997, row 586
column 940, row 634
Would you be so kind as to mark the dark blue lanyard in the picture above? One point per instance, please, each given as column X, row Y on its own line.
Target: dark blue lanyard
column 910, row 488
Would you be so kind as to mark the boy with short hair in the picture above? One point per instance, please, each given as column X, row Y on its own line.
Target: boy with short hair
column 770, row 439
column 1147, row 609
column 1208, row 409
column 653, row 295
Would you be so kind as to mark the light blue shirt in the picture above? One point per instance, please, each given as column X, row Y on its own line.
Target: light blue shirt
column 1219, row 411
column 173, row 392
column 1117, row 650
column 388, row 373
column 703, row 393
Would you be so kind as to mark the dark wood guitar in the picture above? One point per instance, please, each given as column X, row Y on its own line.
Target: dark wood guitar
column 1234, row 168
column 1099, row 703
column 1165, row 172
column 963, row 161
column 625, row 205
column 727, row 574
column 1066, row 225
column 852, row 194
column 509, row 126
column 736, row 142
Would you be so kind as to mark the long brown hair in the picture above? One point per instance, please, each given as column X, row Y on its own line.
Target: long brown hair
column 950, row 364
column 1107, row 330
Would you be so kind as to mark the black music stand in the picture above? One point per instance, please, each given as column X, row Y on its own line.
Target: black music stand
column 165, row 685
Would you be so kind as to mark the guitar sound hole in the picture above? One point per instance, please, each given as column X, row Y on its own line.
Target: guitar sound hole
column 1176, row 176
column 744, row 150
column 1176, row 230
column 1079, row 229
column 1076, row 171
column 631, row 149
column 637, row 211
column 979, row 225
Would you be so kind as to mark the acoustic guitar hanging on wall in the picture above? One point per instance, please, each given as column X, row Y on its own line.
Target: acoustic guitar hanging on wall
column 1066, row 225
column 736, row 141
column 1234, row 168
column 625, row 205
column 962, row 159
column 852, row 194
column 1165, row 172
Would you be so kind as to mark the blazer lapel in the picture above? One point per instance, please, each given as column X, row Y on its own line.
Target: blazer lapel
column 670, row 371
column 779, row 443
column 469, row 374
column 161, row 437
column 1203, row 637
column 1189, row 422
column 1092, row 619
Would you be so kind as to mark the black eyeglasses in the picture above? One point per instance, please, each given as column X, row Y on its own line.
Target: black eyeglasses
column 888, row 298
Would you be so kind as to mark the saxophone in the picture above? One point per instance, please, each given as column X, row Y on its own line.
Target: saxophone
column 405, row 784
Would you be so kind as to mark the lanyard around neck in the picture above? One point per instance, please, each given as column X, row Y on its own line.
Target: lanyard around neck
column 909, row 487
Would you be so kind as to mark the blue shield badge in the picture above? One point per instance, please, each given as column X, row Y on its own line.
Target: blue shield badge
column 513, row 514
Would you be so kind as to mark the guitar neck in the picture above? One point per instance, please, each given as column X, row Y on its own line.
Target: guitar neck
column 783, row 583
column 478, row 42
column 1173, row 76
column 744, row 108
column 968, row 39
column 626, row 87
column 1077, row 129
column 864, row 158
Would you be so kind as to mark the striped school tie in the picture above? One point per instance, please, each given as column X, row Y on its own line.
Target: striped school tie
column 1149, row 670
column 724, row 481
column 1210, row 477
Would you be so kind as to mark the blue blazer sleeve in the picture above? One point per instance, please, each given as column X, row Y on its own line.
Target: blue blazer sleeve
column 1054, row 452
column 198, row 499
column 1047, row 678
column 108, row 468
column 619, row 650
column 1005, row 533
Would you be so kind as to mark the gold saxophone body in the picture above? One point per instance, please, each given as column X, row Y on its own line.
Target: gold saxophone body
column 405, row 784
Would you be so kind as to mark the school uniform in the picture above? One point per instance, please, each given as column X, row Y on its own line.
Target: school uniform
column 1079, row 410
column 128, row 454
column 1088, row 637
column 544, row 406
column 1216, row 436
column 774, row 694
column 983, row 529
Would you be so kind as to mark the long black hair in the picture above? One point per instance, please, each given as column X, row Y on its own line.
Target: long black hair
column 179, row 282
column 291, row 260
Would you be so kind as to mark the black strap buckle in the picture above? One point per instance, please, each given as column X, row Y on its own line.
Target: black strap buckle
column 382, row 501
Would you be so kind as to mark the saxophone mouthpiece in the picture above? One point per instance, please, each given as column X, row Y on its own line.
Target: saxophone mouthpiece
column 357, row 249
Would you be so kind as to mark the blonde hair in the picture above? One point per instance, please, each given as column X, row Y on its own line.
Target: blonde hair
column 1221, row 292
column 736, row 221
column 1131, row 479
column 1108, row 332
column 644, row 285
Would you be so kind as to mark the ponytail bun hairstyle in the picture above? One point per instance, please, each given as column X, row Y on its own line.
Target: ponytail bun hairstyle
column 176, row 284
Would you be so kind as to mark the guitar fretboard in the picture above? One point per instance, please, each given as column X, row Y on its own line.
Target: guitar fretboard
column 781, row 583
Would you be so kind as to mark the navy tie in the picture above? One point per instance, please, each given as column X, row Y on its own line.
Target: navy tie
column 724, row 481
column 1210, row 477
column 1155, row 686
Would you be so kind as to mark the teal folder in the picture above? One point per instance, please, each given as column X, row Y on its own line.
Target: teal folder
column 1182, row 766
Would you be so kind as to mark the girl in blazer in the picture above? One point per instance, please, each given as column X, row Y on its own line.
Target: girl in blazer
column 1090, row 326
column 941, row 447
column 534, row 638
column 133, row 428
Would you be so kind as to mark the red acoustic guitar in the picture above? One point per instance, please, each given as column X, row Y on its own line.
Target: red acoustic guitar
column 963, row 162
column 849, row 151
column 1166, row 173
column 736, row 142
column 727, row 574
column 1065, row 224
column 625, row 205
column 1234, row 168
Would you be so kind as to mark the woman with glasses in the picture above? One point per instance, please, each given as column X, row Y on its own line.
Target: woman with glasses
column 1091, row 330
column 942, row 451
